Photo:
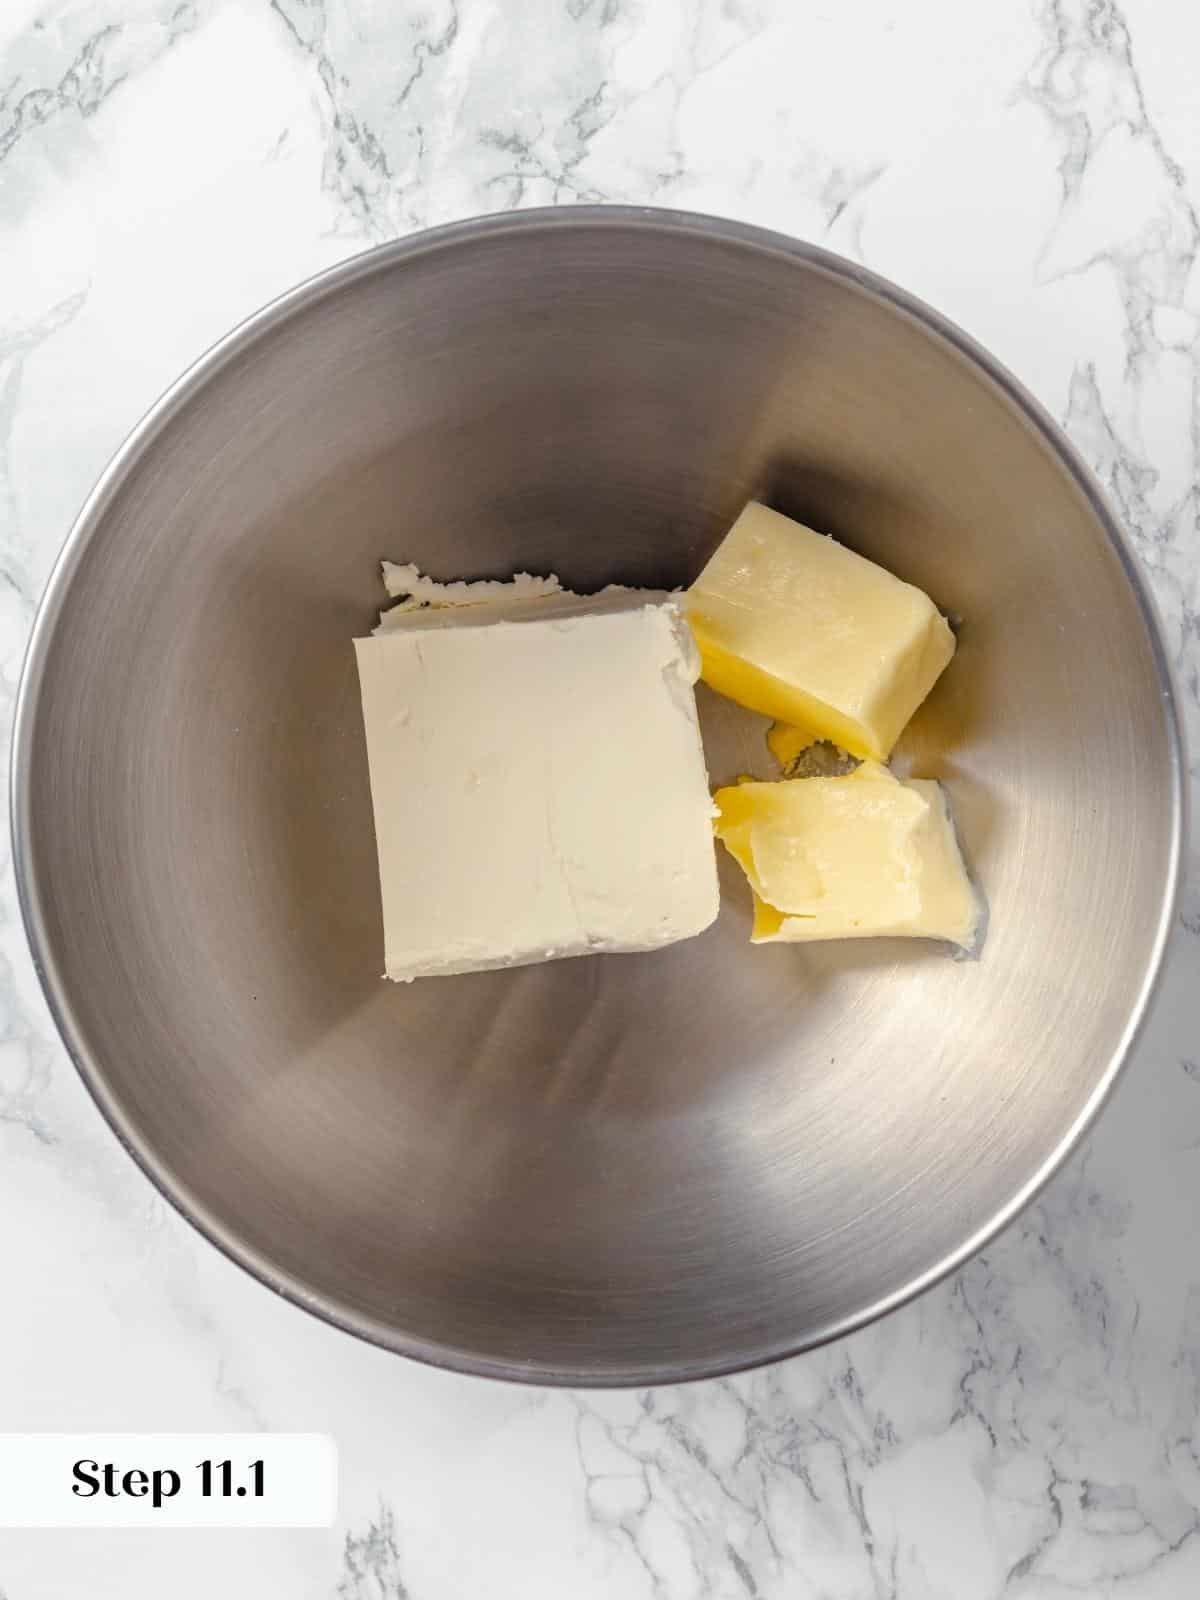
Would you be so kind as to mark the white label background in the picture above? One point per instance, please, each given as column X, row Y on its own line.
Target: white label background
column 300, row 1480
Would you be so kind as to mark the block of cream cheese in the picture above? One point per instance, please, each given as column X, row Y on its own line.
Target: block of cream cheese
column 797, row 626
column 849, row 857
column 537, row 778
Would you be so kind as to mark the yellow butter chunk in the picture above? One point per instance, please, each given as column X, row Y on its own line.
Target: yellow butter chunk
column 849, row 857
column 798, row 627
column 787, row 744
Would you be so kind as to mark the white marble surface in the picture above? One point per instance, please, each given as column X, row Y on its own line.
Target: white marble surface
column 1029, row 1429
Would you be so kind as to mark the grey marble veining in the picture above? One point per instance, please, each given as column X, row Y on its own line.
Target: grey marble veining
column 1030, row 1428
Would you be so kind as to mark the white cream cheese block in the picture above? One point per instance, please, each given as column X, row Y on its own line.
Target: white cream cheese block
column 537, row 777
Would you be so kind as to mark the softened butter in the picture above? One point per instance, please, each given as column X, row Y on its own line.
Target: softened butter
column 796, row 626
column 849, row 857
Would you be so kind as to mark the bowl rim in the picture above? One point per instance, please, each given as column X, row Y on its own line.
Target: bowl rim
column 152, row 424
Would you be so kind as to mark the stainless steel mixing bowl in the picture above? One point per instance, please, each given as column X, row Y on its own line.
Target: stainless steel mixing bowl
column 625, row 1168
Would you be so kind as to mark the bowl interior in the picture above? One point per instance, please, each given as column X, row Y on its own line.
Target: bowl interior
column 621, row 1167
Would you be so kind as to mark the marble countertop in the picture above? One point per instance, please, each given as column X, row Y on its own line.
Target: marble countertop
column 1030, row 1428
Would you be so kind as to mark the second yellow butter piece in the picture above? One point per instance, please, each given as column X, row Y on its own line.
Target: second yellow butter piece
column 798, row 627
column 849, row 857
